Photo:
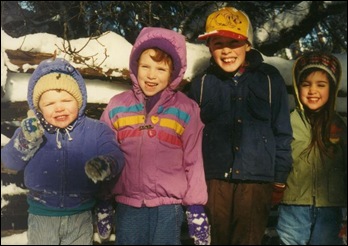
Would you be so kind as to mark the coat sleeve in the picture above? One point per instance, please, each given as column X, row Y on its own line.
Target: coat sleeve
column 193, row 160
column 281, row 128
column 108, row 147
column 105, row 117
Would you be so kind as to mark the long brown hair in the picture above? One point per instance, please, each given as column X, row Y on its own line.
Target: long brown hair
column 321, row 120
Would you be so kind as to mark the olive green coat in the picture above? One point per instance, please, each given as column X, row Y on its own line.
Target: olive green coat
column 312, row 181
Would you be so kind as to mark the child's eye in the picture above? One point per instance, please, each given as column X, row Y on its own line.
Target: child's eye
column 234, row 42
column 68, row 100
column 322, row 85
column 216, row 43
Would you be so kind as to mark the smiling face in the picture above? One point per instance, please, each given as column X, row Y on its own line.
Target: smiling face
column 153, row 75
column 228, row 53
column 58, row 107
column 314, row 90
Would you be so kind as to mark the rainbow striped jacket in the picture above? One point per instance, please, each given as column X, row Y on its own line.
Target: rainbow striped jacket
column 162, row 148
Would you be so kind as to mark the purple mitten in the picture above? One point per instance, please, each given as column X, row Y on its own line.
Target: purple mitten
column 105, row 212
column 199, row 228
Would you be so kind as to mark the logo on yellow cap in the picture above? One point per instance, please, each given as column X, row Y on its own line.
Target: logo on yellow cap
column 228, row 22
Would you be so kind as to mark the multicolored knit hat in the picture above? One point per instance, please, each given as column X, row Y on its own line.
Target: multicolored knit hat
column 318, row 59
column 228, row 22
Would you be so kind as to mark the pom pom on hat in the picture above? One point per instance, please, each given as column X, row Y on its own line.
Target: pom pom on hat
column 57, row 81
column 321, row 60
column 228, row 22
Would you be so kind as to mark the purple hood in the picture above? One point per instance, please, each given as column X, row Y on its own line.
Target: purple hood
column 170, row 42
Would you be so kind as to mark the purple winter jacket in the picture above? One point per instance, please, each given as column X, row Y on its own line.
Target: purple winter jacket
column 56, row 176
column 163, row 148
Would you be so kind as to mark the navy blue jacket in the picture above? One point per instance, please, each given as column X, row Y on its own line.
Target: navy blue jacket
column 247, row 132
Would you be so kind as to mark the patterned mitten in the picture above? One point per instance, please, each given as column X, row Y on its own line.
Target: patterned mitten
column 104, row 212
column 199, row 228
column 30, row 136
column 98, row 169
column 31, row 128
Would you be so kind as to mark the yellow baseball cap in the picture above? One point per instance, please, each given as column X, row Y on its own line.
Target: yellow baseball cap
column 228, row 22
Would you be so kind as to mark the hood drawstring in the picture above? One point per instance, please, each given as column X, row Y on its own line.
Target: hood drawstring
column 69, row 137
column 59, row 144
column 67, row 129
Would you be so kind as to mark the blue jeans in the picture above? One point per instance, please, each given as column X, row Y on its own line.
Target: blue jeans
column 301, row 225
column 74, row 229
column 148, row 226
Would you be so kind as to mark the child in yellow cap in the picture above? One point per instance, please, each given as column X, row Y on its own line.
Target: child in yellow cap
column 247, row 134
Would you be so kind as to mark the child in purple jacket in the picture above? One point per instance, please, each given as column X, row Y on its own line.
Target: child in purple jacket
column 160, row 132
column 63, row 154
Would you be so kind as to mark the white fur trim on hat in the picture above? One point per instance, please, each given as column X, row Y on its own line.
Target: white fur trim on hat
column 57, row 81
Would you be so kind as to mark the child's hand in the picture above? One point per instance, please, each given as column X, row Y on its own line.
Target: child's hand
column 31, row 128
column 97, row 169
column 199, row 228
column 278, row 193
column 343, row 232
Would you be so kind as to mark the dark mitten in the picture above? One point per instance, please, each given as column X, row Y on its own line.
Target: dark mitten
column 98, row 168
column 277, row 194
column 199, row 228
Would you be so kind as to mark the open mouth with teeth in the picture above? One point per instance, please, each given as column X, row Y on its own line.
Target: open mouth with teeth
column 229, row 60
column 151, row 84
column 313, row 99
column 61, row 117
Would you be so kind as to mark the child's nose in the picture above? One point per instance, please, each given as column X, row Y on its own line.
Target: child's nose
column 226, row 50
column 312, row 89
column 59, row 107
column 151, row 74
